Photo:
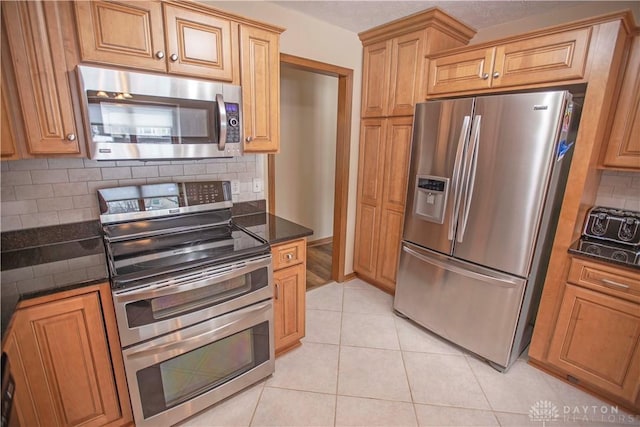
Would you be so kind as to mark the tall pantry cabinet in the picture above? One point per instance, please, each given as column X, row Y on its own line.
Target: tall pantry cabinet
column 392, row 82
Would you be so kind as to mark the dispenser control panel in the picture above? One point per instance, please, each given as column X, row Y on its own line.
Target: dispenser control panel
column 431, row 197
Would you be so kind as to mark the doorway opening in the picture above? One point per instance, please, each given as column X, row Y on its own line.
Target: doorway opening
column 334, row 246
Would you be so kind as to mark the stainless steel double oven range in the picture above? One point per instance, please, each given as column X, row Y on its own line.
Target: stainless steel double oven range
column 192, row 294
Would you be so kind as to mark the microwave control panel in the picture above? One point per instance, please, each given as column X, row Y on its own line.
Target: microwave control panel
column 233, row 121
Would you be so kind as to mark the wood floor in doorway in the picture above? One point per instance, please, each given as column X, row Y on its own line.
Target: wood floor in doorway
column 319, row 265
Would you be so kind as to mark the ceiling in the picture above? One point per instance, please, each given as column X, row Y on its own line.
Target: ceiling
column 357, row 16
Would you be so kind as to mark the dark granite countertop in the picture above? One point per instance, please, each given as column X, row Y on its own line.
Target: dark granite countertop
column 272, row 228
column 606, row 252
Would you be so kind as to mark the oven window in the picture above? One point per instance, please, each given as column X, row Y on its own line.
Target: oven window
column 174, row 381
column 144, row 312
column 131, row 118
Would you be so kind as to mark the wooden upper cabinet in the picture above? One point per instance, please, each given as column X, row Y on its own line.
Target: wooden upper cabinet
column 460, row 72
column 559, row 57
column 407, row 53
column 391, row 76
column 122, row 34
column 556, row 57
column 199, row 44
column 623, row 149
column 10, row 103
column 376, row 72
column 260, row 77
column 394, row 63
column 157, row 36
column 36, row 41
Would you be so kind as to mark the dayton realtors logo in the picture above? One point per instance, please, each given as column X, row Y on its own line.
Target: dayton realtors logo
column 545, row 412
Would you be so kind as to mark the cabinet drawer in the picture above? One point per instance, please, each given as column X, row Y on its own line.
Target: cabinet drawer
column 290, row 253
column 607, row 279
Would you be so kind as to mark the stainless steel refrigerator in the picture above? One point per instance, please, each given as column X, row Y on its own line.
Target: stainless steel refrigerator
column 486, row 181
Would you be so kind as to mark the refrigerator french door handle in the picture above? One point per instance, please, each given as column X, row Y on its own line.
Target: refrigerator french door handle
column 505, row 282
column 471, row 178
column 457, row 170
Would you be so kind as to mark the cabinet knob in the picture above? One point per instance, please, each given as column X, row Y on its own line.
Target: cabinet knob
column 485, row 76
column 71, row 137
column 289, row 257
column 496, row 75
column 173, row 57
column 249, row 139
column 159, row 54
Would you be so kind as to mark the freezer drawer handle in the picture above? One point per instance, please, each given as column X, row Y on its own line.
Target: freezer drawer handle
column 472, row 274
column 456, row 175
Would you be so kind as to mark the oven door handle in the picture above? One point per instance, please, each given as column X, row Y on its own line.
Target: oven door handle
column 158, row 290
column 183, row 344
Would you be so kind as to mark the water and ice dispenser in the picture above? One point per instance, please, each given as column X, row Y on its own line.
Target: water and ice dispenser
column 431, row 197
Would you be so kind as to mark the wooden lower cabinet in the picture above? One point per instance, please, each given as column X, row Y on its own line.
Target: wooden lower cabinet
column 290, row 285
column 385, row 146
column 596, row 338
column 62, row 361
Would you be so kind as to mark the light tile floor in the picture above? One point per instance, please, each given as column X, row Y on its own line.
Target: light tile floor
column 361, row 365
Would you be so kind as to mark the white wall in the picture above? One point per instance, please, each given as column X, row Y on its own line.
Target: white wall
column 311, row 38
column 305, row 166
column 557, row 15
column 42, row 192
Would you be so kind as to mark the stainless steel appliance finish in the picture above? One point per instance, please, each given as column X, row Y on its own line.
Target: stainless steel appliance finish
column 132, row 115
column 192, row 295
column 496, row 168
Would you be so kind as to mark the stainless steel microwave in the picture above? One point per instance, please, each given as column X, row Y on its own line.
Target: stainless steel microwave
column 131, row 115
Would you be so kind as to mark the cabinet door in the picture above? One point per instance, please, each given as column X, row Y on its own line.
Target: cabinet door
column 544, row 59
column 126, row 34
column 623, row 149
column 369, row 203
column 260, row 75
column 36, row 36
column 70, row 379
column 596, row 341
column 394, row 193
column 460, row 72
column 198, row 44
column 8, row 141
column 376, row 71
column 289, row 306
column 405, row 80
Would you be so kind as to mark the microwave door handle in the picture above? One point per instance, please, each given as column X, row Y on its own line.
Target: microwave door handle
column 222, row 117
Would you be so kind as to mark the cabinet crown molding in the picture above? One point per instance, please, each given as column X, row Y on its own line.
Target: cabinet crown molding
column 202, row 6
column 431, row 18
column 625, row 16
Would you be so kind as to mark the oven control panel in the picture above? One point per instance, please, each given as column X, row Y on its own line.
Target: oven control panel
column 149, row 200
column 206, row 192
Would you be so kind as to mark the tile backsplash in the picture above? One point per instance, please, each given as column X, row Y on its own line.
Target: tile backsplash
column 41, row 192
column 619, row 190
